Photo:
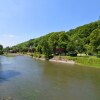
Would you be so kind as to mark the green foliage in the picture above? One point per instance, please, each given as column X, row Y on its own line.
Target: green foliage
column 87, row 60
column 1, row 49
column 1, row 52
column 83, row 39
column 98, row 55
column 95, row 40
column 36, row 55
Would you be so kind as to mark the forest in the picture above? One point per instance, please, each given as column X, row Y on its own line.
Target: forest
column 83, row 39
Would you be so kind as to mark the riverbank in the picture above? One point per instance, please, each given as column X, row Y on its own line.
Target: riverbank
column 62, row 59
column 12, row 54
column 89, row 61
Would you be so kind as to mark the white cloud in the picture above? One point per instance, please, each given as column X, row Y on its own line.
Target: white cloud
column 8, row 39
column 8, row 36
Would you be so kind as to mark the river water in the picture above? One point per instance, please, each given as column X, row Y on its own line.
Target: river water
column 24, row 78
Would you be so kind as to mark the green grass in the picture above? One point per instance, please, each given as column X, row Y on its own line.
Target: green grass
column 9, row 55
column 91, row 61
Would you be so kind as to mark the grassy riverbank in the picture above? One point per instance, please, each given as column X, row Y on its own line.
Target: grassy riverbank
column 90, row 61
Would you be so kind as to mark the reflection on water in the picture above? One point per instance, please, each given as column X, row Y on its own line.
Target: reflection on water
column 6, row 60
column 28, row 79
column 5, row 75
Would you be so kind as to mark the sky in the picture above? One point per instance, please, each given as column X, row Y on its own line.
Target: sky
column 22, row 20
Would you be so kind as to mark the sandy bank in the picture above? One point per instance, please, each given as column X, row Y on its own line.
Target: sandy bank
column 39, row 58
column 54, row 59
column 62, row 61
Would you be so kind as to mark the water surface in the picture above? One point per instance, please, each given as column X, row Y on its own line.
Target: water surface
column 25, row 78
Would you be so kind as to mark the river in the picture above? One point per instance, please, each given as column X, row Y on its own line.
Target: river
column 24, row 78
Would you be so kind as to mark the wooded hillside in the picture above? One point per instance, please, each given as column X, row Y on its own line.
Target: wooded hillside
column 83, row 39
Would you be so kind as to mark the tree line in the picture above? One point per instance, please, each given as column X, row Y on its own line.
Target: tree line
column 83, row 39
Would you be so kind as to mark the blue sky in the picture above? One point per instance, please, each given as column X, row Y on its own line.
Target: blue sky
column 21, row 20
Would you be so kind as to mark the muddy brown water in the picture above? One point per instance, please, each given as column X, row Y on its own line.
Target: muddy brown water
column 24, row 78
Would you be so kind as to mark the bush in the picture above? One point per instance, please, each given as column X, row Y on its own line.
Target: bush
column 98, row 55
column 31, row 55
column 1, row 52
column 39, row 55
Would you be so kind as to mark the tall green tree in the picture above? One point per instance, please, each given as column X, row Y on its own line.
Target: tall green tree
column 95, row 40
column 46, row 49
column 1, row 49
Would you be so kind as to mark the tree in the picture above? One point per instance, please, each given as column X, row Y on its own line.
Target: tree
column 83, row 39
column 95, row 40
column 1, row 49
column 46, row 49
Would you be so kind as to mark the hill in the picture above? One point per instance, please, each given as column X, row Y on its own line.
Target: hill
column 83, row 39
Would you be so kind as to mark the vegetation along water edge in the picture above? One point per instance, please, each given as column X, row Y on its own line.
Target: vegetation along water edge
column 80, row 45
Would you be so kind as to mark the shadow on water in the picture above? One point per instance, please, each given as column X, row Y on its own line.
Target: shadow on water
column 5, row 75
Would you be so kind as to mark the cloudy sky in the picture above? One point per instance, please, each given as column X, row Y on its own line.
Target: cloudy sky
column 21, row 20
